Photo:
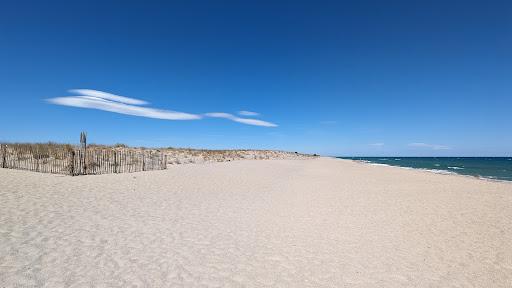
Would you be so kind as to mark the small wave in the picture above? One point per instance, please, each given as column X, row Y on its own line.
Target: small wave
column 437, row 171
column 455, row 167
column 486, row 177
column 397, row 159
column 437, row 165
column 384, row 159
column 378, row 164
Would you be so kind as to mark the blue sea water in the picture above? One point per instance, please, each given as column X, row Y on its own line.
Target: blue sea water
column 499, row 168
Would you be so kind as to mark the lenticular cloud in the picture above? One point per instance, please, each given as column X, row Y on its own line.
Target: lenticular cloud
column 99, row 100
column 248, row 113
column 108, row 96
column 247, row 121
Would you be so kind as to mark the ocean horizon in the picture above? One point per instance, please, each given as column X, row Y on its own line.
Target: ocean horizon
column 496, row 168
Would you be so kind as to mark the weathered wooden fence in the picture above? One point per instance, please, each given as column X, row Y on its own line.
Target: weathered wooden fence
column 76, row 161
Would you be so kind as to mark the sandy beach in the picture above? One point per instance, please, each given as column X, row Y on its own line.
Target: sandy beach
column 264, row 223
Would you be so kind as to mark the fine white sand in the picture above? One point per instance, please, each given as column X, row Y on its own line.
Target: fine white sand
column 276, row 223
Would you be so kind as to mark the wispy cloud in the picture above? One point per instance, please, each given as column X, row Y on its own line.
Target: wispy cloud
column 247, row 121
column 99, row 100
column 428, row 146
column 94, row 99
column 377, row 144
column 108, row 96
column 248, row 113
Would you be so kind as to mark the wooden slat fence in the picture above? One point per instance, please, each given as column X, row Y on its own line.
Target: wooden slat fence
column 74, row 161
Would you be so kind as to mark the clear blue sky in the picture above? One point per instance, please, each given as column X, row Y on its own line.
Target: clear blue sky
column 337, row 78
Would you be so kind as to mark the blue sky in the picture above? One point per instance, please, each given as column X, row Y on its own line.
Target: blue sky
column 416, row 78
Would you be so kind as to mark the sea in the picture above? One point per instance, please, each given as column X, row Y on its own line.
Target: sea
column 498, row 168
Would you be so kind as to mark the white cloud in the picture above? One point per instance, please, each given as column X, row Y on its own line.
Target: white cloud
column 254, row 122
column 121, row 108
column 248, row 113
column 219, row 115
column 247, row 121
column 93, row 99
column 428, row 146
column 377, row 144
column 108, row 96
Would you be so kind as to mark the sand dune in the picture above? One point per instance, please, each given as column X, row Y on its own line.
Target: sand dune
column 278, row 223
column 187, row 156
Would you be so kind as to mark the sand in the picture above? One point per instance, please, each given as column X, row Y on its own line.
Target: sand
column 267, row 223
column 177, row 156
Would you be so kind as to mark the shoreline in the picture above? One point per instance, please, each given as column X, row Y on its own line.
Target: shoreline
column 434, row 171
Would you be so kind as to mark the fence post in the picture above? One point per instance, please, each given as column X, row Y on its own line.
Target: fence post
column 72, row 163
column 83, row 155
column 115, row 162
column 4, row 156
column 83, row 147
column 37, row 155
